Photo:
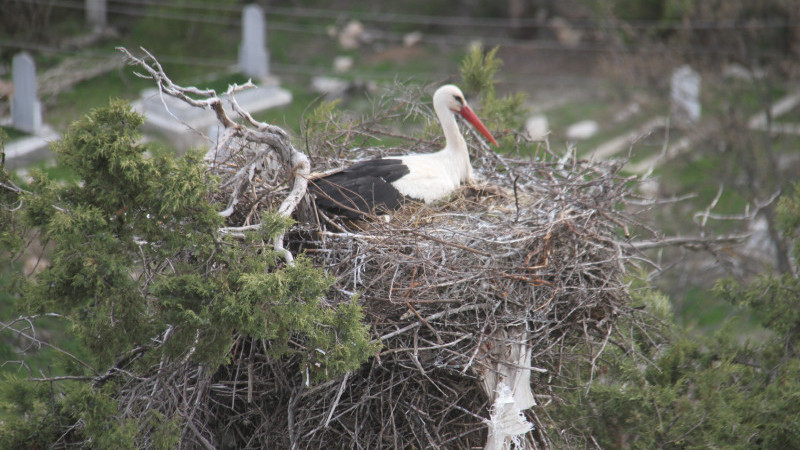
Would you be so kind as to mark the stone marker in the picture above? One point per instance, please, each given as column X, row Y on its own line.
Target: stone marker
column 253, row 54
column 96, row 14
column 26, row 111
column 537, row 127
column 582, row 130
column 351, row 35
column 412, row 39
column 685, row 96
column 342, row 64
column 329, row 86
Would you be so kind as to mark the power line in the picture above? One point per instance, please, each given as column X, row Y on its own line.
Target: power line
column 421, row 19
column 448, row 39
column 440, row 38
column 523, row 22
column 209, row 7
column 195, row 18
column 101, row 54
column 487, row 22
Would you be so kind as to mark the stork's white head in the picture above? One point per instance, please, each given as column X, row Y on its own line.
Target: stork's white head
column 449, row 96
column 449, row 99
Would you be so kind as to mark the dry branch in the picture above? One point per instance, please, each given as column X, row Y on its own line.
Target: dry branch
column 251, row 148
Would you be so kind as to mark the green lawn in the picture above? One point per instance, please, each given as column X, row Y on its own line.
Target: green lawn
column 11, row 133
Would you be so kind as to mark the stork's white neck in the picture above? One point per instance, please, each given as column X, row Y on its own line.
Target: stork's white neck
column 433, row 176
column 447, row 118
column 455, row 149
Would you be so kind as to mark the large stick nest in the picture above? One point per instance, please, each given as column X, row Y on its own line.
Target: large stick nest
column 445, row 288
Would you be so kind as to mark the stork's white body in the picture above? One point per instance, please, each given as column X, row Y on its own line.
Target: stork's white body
column 433, row 176
column 424, row 177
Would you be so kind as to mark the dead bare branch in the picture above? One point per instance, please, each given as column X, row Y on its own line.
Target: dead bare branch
column 259, row 146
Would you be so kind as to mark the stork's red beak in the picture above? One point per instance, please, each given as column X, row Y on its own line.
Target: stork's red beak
column 467, row 113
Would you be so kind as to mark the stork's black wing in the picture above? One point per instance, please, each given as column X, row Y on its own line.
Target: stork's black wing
column 364, row 187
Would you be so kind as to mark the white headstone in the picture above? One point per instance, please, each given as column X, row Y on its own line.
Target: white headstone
column 537, row 127
column 253, row 54
column 582, row 130
column 26, row 111
column 96, row 14
column 329, row 86
column 685, row 95
column 342, row 64
column 412, row 39
column 351, row 35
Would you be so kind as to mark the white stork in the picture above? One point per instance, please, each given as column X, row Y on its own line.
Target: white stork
column 386, row 183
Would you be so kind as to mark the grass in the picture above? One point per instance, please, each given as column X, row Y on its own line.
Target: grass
column 787, row 143
column 720, row 98
column 290, row 117
column 12, row 133
column 792, row 117
column 53, row 172
column 85, row 96
column 124, row 84
column 562, row 117
column 602, row 108
column 22, row 357
column 700, row 308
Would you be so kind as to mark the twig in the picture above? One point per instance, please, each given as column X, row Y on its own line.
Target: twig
column 693, row 241
column 336, row 401
column 4, row 326
column 275, row 138
column 429, row 318
column 592, row 364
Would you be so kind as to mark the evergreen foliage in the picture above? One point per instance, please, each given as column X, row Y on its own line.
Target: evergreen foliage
column 478, row 70
column 9, row 199
column 141, row 275
column 703, row 392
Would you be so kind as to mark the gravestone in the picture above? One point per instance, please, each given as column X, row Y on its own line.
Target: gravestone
column 582, row 130
column 685, row 96
column 253, row 54
column 96, row 14
column 26, row 111
column 537, row 127
column 351, row 36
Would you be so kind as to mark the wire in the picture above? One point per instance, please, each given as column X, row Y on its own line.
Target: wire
column 154, row 14
column 508, row 23
column 209, row 7
column 447, row 39
column 427, row 20
column 100, row 54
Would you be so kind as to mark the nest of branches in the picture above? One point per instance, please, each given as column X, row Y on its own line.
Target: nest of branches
column 530, row 259
column 532, row 256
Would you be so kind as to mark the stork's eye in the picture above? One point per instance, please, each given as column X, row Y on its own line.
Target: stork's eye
column 459, row 99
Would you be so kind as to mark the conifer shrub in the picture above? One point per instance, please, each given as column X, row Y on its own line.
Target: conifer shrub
column 139, row 274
